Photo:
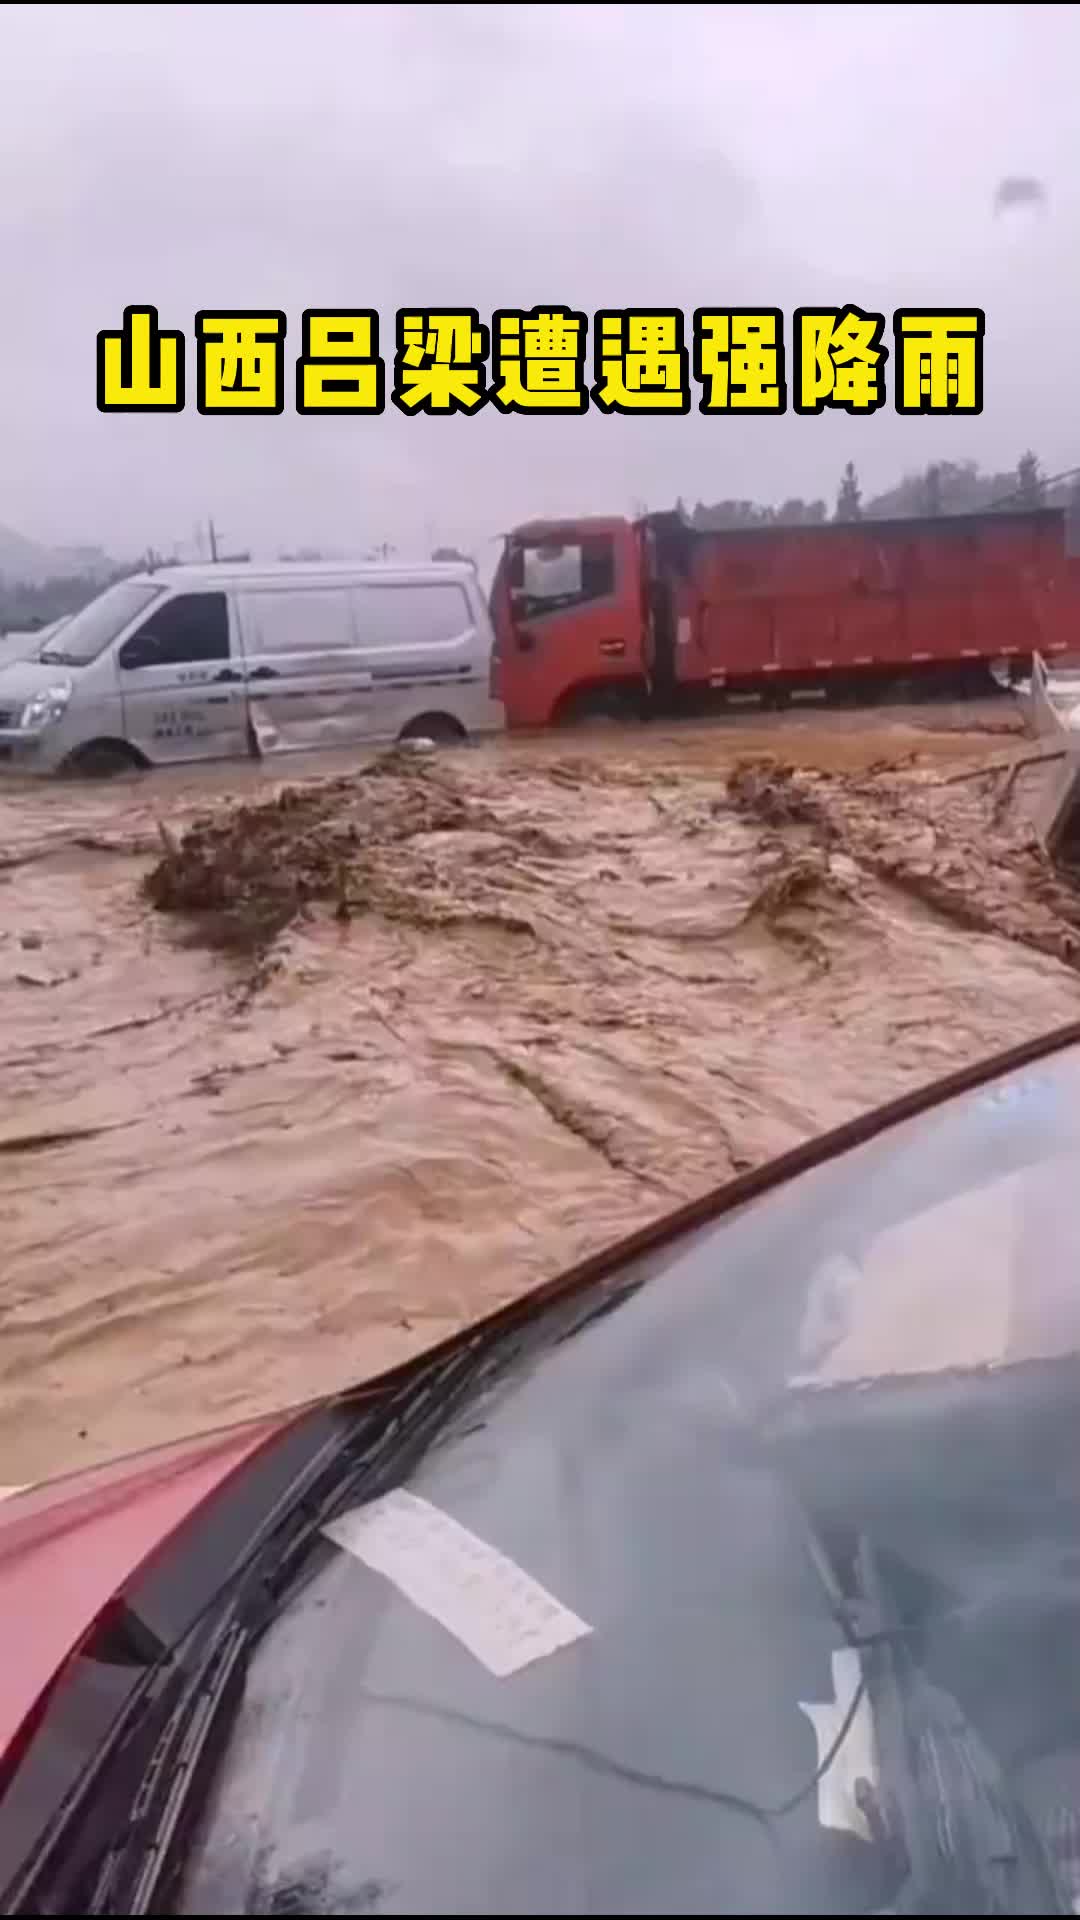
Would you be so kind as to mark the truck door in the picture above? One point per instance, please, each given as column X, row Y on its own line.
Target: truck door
column 181, row 681
column 571, row 608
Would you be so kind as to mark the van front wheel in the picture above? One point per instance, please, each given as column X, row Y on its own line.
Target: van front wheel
column 440, row 727
column 103, row 760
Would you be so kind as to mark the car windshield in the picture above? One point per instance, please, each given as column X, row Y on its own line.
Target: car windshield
column 808, row 1496
column 86, row 634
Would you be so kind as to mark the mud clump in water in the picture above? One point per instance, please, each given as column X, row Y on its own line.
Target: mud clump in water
column 806, row 882
column 242, row 876
column 778, row 796
column 948, row 853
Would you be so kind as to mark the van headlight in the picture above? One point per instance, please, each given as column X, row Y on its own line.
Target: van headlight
column 46, row 707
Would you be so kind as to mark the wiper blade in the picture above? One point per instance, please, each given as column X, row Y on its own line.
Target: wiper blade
column 144, row 1859
column 960, row 1841
column 143, row 1783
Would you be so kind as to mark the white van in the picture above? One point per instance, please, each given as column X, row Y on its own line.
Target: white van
column 204, row 663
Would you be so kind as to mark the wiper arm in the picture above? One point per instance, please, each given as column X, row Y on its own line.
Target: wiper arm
column 961, row 1842
column 144, row 1859
column 147, row 1775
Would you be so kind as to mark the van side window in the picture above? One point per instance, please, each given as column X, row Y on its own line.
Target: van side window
column 190, row 628
column 300, row 620
column 420, row 615
column 546, row 577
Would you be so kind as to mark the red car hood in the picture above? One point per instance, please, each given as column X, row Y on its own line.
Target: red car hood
column 69, row 1546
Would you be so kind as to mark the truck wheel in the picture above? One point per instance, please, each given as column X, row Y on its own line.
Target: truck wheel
column 615, row 705
column 440, row 727
column 104, row 760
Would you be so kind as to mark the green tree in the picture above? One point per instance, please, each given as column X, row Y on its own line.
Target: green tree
column 1029, row 487
column 1072, row 515
column 849, row 499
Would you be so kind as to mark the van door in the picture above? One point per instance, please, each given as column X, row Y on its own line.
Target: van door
column 421, row 644
column 181, row 682
column 306, row 686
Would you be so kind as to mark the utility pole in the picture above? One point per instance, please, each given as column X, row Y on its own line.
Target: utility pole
column 213, row 541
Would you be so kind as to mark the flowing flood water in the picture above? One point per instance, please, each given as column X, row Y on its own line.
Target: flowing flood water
column 370, row 1058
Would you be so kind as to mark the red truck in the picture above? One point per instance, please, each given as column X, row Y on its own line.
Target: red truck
column 609, row 616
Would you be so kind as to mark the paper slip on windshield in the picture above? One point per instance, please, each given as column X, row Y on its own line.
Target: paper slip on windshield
column 498, row 1611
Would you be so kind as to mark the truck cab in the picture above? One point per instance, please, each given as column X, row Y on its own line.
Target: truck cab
column 570, row 621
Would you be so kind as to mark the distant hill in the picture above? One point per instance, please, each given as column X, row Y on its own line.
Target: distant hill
column 24, row 562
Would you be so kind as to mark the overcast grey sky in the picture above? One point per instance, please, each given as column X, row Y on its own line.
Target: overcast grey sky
column 287, row 156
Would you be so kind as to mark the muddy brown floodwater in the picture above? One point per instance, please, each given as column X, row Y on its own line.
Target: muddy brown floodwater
column 294, row 1086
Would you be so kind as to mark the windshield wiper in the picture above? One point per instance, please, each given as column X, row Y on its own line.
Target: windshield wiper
column 951, row 1835
column 960, row 1841
column 116, row 1846
column 54, row 657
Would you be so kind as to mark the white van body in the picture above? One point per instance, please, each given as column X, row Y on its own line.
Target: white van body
column 207, row 663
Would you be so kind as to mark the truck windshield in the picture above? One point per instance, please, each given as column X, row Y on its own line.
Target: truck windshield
column 86, row 635
column 547, row 576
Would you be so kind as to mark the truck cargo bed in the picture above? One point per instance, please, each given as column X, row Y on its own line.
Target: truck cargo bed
column 868, row 600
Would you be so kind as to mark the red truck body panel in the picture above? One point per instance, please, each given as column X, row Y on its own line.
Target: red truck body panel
column 806, row 599
column 585, row 605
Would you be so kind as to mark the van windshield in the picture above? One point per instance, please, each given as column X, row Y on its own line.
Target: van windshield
column 86, row 635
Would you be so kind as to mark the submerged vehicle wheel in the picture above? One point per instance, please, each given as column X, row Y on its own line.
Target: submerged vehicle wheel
column 440, row 727
column 104, row 760
column 616, row 706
